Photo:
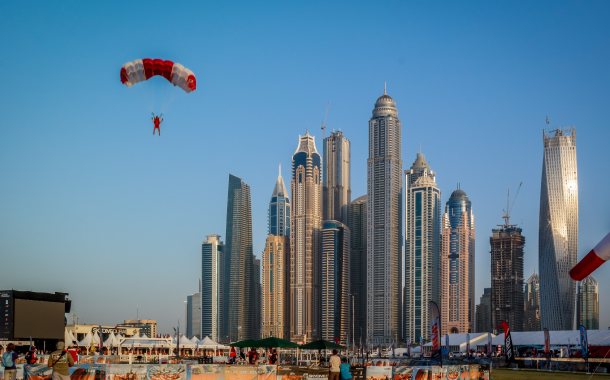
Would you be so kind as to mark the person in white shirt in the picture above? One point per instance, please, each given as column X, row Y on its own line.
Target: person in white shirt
column 335, row 366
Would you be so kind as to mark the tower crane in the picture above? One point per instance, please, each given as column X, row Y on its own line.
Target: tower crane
column 509, row 210
column 324, row 121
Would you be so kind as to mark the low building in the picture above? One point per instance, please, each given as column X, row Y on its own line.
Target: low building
column 80, row 331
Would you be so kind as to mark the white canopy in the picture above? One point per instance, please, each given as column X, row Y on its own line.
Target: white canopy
column 144, row 336
column 209, row 343
column 112, row 340
column 185, row 342
column 557, row 338
column 87, row 340
column 194, row 340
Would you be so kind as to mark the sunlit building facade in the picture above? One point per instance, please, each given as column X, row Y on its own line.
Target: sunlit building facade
column 531, row 317
column 457, row 266
column 422, row 247
column 213, row 320
column 558, row 232
column 306, row 223
column 276, row 287
column 279, row 209
column 588, row 303
column 384, row 224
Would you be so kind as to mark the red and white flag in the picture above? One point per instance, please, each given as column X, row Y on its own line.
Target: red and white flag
column 594, row 259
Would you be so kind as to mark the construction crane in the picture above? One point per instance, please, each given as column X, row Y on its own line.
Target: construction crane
column 324, row 121
column 509, row 210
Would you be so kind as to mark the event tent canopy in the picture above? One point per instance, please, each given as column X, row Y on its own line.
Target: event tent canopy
column 558, row 338
column 209, row 343
column 87, row 340
column 322, row 345
column 245, row 343
column 273, row 342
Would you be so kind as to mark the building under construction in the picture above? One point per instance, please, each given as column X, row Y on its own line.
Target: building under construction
column 507, row 276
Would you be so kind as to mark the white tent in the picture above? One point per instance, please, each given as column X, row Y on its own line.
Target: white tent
column 144, row 336
column 87, row 340
column 112, row 340
column 185, row 343
column 194, row 340
column 72, row 337
column 209, row 343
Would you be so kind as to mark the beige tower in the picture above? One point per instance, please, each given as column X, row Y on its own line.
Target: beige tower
column 457, row 266
column 276, row 287
column 305, row 225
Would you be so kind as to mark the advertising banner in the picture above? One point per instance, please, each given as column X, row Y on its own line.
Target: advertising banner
column 508, row 343
column 205, row 372
column 125, row 372
column 166, row 372
column 412, row 373
column 267, row 372
column 467, row 345
column 240, row 372
column 379, row 373
column 584, row 343
column 37, row 372
column 408, row 346
column 288, row 372
column 435, row 332
column 547, row 342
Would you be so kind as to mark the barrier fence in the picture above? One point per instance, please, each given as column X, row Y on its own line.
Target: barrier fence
column 186, row 371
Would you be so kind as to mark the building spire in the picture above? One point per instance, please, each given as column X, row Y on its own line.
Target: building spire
column 384, row 87
column 280, row 169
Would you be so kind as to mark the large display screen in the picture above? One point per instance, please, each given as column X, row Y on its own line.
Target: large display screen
column 39, row 319
column 6, row 308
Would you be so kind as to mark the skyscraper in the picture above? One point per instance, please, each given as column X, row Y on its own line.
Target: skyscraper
column 241, row 308
column 531, row 319
column 305, row 225
column 588, row 303
column 336, row 178
column 483, row 311
column 276, row 287
column 193, row 316
column 213, row 291
column 507, row 276
column 357, row 274
column 279, row 209
column 335, row 280
column 384, row 218
column 422, row 247
column 457, row 266
column 258, row 298
column 558, row 232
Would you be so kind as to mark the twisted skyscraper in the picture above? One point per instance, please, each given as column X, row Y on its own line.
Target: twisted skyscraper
column 558, row 233
column 384, row 240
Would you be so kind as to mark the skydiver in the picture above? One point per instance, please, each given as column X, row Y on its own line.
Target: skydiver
column 157, row 122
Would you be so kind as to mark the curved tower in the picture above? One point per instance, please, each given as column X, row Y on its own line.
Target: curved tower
column 384, row 218
column 457, row 266
column 558, row 232
column 305, row 224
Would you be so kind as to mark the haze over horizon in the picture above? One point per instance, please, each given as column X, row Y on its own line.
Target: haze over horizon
column 94, row 205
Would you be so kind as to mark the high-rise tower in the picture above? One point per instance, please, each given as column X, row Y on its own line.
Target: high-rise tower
column 531, row 319
column 558, row 232
column 305, row 225
column 457, row 266
column 335, row 280
column 588, row 303
column 276, row 287
column 507, row 276
column 422, row 247
column 357, row 274
column 240, row 258
column 279, row 209
column 336, row 177
column 213, row 295
column 384, row 219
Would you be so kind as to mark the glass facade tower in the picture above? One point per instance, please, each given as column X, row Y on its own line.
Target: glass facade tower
column 358, row 268
column 336, row 177
column 558, row 232
column 422, row 247
column 588, row 303
column 212, row 317
column 279, row 209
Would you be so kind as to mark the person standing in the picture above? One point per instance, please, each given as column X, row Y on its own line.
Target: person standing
column 30, row 356
column 345, row 375
column 60, row 361
column 9, row 358
column 74, row 352
column 335, row 366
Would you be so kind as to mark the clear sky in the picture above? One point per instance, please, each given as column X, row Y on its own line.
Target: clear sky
column 93, row 204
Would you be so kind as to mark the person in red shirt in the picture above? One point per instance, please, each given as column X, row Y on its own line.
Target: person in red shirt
column 74, row 352
column 157, row 123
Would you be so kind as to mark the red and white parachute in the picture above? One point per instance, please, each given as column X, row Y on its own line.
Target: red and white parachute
column 143, row 69
column 593, row 260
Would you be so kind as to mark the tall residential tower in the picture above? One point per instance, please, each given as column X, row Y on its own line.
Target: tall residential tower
column 336, row 176
column 531, row 317
column 213, row 291
column 384, row 219
column 457, row 266
column 305, row 225
column 276, row 287
column 422, row 247
column 240, row 261
column 357, row 272
column 279, row 209
column 588, row 303
column 558, row 232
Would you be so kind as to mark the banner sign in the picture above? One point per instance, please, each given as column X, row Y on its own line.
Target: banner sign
column 240, row 372
column 125, row 372
column 37, row 372
column 301, row 373
column 408, row 346
column 378, row 373
column 435, row 332
column 508, row 343
column 489, row 344
column 547, row 342
column 267, row 372
column 166, row 372
column 204, row 372
column 109, row 330
column 584, row 343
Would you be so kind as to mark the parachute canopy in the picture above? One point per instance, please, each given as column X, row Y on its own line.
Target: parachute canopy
column 143, row 69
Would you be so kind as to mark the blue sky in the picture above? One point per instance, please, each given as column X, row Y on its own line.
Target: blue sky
column 93, row 204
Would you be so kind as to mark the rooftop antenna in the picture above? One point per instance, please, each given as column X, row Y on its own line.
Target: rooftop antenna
column 420, row 146
column 324, row 121
column 280, row 169
column 547, row 120
column 384, row 88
